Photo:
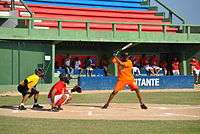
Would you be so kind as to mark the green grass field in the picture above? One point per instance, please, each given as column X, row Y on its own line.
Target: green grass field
column 14, row 125
column 184, row 98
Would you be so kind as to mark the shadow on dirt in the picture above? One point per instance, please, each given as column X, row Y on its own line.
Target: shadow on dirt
column 9, row 107
column 16, row 108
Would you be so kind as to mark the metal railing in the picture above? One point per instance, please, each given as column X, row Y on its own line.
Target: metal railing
column 27, row 8
column 170, row 11
column 12, row 6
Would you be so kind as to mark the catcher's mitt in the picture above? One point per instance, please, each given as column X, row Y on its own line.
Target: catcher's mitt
column 77, row 89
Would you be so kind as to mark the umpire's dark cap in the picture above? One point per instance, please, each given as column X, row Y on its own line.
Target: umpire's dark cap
column 39, row 71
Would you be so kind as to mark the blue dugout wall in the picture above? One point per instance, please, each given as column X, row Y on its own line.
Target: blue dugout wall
column 144, row 82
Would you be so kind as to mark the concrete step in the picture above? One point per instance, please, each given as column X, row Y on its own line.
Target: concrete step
column 4, row 13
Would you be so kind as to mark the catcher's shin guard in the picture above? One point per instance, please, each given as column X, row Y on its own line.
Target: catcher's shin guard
column 62, row 100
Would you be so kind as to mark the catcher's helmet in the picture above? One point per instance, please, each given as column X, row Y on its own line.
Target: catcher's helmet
column 39, row 71
column 64, row 78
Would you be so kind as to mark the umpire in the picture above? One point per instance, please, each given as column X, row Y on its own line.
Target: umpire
column 28, row 88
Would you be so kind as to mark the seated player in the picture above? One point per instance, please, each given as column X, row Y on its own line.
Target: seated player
column 28, row 88
column 175, row 66
column 146, row 65
column 163, row 65
column 60, row 93
column 154, row 65
column 136, row 71
column 77, row 66
column 89, row 66
column 135, row 68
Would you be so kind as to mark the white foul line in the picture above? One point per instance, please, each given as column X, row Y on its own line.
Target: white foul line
column 172, row 114
column 89, row 113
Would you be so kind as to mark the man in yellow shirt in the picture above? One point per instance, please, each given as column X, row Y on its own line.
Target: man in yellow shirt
column 125, row 77
column 28, row 88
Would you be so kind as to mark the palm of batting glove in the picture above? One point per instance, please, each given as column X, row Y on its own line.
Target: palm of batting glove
column 116, row 53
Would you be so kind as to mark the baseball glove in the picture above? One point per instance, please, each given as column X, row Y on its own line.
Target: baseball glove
column 77, row 89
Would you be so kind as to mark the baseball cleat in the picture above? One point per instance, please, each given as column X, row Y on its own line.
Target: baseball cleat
column 37, row 106
column 54, row 109
column 21, row 107
column 105, row 106
column 143, row 106
column 60, row 108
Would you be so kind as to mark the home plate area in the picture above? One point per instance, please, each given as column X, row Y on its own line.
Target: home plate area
column 116, row 111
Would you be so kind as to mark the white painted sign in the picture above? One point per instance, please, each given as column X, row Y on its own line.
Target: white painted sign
column 150, row 82
column 47, row 57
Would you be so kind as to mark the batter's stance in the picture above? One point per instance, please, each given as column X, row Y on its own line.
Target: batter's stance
column 125, row 77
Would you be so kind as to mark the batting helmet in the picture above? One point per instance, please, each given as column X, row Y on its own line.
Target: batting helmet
column 39, row 71
column 64, row 78
column 125, row 55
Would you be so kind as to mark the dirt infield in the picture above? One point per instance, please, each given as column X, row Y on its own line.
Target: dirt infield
column 116, row 111
column 14, row 93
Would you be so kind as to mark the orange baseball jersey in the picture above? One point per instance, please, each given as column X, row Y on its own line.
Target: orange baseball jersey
column 124, row 72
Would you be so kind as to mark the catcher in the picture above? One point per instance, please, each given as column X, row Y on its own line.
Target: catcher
column 60, row 93
column 28, row 88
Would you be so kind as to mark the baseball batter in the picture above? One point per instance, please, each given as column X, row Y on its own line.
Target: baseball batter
column 125, row 77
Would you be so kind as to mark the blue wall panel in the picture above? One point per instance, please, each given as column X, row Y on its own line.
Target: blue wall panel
column 97, row 83
column 144, row 82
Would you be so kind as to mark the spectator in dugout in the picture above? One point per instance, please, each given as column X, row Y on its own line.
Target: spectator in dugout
column 175, row 66
column 89, row 66
column 136, row 65
column 103, row 63
column 163, row 65
column 154, row 65
column 59, row 61
column 195, row 68
column 77, row 65
column 67, row 65
column 146, row 65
